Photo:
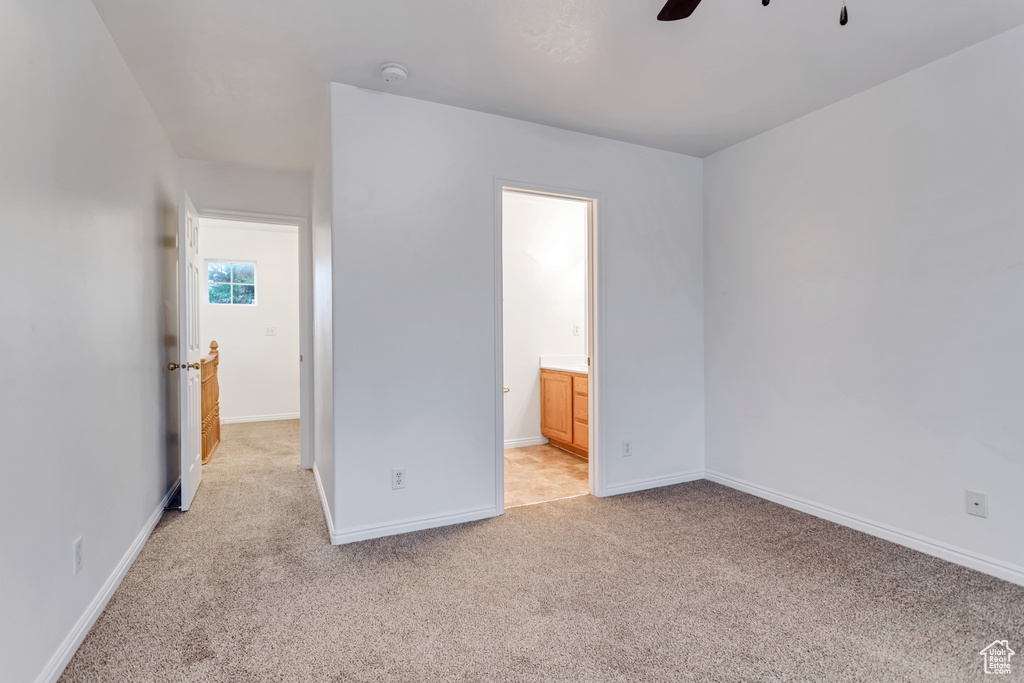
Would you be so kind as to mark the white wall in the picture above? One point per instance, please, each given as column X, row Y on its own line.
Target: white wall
column 544, row 271
column 228, row 187
column 865, row 305
column 414, row 311
column 323, row 325
column 258, row 374
column 88, row 223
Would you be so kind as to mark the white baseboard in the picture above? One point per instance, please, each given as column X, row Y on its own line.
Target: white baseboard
column 402, row 526
column 399, row 527
column 530, row 441
column 55, row 667
column 641, row 484
column 928, row 546
column 259, row 418
column 323, row 500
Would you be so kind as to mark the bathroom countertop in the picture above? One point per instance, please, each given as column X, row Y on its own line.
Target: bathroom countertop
column 566, row 367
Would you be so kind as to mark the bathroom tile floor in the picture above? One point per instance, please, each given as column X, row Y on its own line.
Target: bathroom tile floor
column 534, row 474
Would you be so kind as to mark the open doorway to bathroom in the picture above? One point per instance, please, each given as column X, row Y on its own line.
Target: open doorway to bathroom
column 546, row 330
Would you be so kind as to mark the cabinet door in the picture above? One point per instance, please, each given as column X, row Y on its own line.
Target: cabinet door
column 580, row 406
column 580, row 411
column 556, row 405
column 580, row 435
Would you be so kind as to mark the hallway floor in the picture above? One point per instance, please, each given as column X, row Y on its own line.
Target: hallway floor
column 534, row 474
column 692, row 582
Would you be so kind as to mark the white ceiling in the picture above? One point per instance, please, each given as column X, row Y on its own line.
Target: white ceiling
column 244, row 81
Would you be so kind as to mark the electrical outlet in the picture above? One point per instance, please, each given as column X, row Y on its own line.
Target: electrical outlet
column 627, row 449
column 76, row 556
column 575, row 330
column 977, row 504
column 271, row 331
column 398, row 478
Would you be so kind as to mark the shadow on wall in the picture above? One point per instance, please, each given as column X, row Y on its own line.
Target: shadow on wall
column 167, row 217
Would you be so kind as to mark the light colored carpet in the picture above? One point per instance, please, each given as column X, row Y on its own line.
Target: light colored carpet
column 689, row 582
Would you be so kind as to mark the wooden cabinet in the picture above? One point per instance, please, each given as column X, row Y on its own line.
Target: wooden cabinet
column 556, row 405
column 580, row 408
column 564, row 410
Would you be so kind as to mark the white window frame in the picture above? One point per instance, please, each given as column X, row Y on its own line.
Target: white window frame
column 240, row 261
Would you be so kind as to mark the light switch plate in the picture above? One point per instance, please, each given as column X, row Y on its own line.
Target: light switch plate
column 977, row 504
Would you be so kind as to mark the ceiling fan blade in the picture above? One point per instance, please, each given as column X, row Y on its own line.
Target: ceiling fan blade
column 677, row 9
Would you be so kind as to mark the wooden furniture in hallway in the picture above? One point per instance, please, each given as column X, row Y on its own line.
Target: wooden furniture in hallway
column 211, row 403
column 564, row 410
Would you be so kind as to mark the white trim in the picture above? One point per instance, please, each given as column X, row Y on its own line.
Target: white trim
column 643, row 484
column 928, row 546
column 529, row 441
column 59, row 661
column 254, row 226
column 541, row 502
column 323, row 501
column 595, row 335
column 402, row 526
column 259, row 418
column 499, row 353
column 595, row 326
column 251, row 217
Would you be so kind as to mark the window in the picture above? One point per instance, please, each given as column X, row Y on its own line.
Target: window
column 231, row 283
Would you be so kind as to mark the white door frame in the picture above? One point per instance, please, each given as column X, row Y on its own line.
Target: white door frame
column 305, row 314
column 595, row 321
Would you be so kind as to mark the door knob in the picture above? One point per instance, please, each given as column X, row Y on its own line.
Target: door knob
column 174, row 366
column 191, row 366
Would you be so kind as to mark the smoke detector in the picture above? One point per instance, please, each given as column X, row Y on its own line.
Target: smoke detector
column 393, row 73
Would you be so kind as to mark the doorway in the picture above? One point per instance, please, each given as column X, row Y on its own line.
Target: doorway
column 252, row 327
column 546, row 245
column 231, row 279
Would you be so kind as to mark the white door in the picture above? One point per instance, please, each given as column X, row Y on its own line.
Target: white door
column 189, row 287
